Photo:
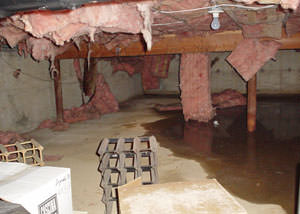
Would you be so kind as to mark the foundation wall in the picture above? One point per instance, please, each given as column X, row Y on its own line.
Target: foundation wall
column 29, row 99
column 276, row 77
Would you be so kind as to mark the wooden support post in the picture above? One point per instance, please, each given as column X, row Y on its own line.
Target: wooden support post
column 251, row 106
column 58, row 92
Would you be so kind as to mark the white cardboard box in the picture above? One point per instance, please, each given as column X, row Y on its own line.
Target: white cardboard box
column 40, row 190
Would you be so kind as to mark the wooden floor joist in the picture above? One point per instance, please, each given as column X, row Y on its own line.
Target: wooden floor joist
column 172, row 44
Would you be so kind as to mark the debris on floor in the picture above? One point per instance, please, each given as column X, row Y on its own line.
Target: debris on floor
column 168, row 107
column 195, row 87
column 102, row 102
column 228, row 98
column 29, row 152
column 123, row 160
column 56, row 126
column 225, row 99
column 206, row 196
column 52, row 157
column 250, row 55
column 10, row 137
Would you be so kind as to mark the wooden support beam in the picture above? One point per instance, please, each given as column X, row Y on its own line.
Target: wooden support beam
column 251, row 105
column 58, row 92
column 172, row 44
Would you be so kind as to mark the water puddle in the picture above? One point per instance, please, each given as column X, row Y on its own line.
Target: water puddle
column 258, row 167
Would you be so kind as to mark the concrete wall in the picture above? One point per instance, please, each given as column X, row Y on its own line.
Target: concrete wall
column 29, row 99
column 276, row 77
column 122, row 85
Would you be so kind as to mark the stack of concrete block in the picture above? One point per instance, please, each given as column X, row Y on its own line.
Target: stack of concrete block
column 123, row 160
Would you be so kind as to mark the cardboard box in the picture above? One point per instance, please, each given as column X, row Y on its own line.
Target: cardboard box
column 40, row 190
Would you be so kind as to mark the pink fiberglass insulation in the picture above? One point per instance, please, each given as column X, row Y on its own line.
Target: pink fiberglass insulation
column 263, row 30
column 61, row 26
column 149, row 80
column 12, row 35
column 258, row 24
column 56, row 126
column 157, row 65
column 51, row 158
column 160, row 65
column 250, row 55
column 195, row 87
column 228, row 98
column 293, row 23
column 43, row 49
column 49, row 124
column 102, row 102
column 286, row 4
column 131, row 65
column 168, row 107
column 225, row 99
column 124, row 67
column 82, row 113
column 10, row 137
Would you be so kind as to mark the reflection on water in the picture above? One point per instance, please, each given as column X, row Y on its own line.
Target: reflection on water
column 258, row 167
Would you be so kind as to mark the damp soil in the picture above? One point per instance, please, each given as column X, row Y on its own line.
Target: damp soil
column 259, row 167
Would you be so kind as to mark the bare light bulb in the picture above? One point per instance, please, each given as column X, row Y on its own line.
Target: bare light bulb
column 215, row 24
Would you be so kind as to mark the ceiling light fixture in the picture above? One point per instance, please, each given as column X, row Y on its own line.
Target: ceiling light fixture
column 215, row 11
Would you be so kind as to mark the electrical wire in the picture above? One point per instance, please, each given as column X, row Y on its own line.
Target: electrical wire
column 32, row 76
column 219, row 5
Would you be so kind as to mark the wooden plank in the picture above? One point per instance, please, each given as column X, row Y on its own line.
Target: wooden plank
column 206, row 196
column 172, row 44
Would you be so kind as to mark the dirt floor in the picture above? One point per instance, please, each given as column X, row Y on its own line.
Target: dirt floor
column 258, row 169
